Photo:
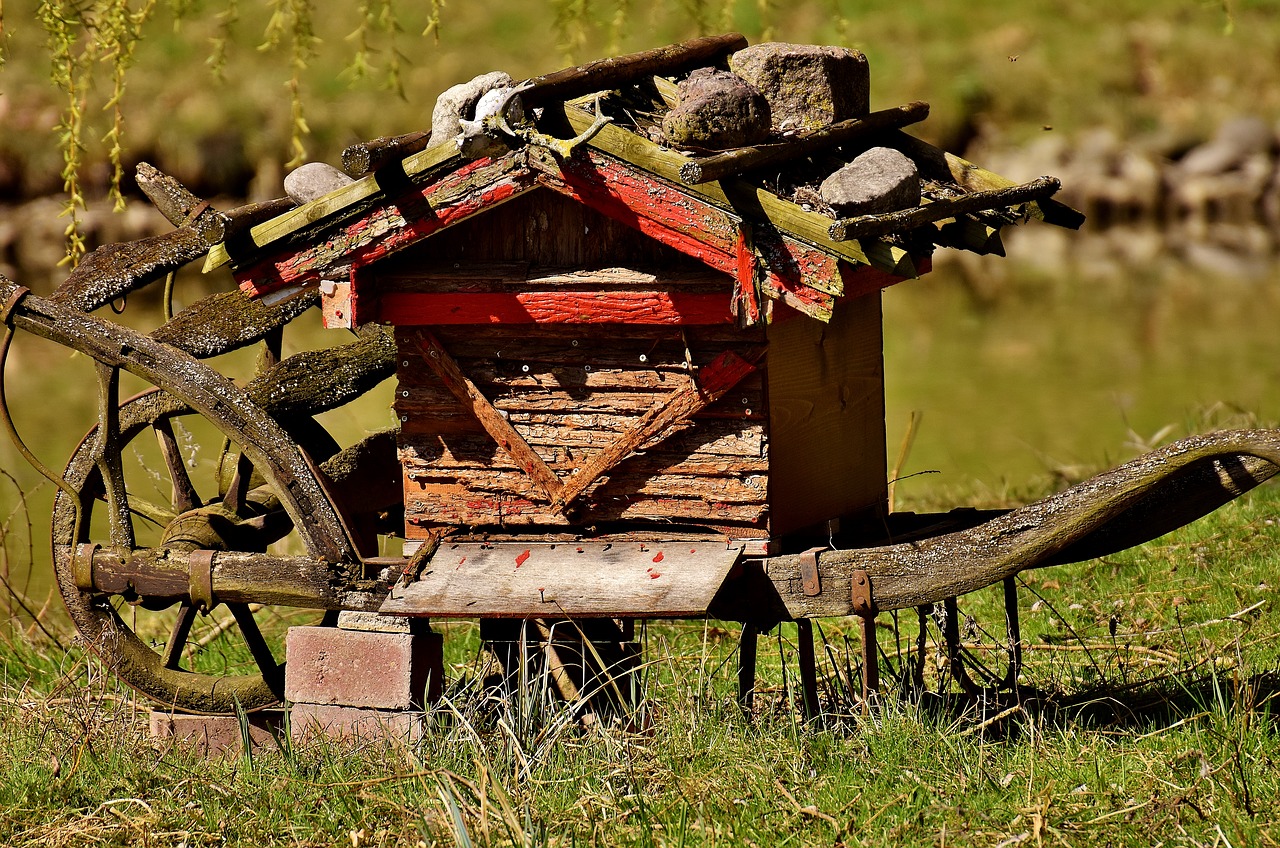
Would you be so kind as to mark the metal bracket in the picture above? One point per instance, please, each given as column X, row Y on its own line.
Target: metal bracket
column 82, row 565
column 865, row 608
column 809, row 577
column 200, row 568
column 11, row 302
column 860, row 592
column 196, row 212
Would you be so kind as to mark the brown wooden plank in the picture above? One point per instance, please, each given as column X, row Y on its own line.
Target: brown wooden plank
column 348, row 200
column 746, row 200
column 648, row 463
column 393, row 224
column 886, row 223
column 711, row 383
column 619, row 71
column 558, row 306
column 640, row 580
column 747, row 401
column 705, row 169
column 449, row 504
column 489, row 339
column 492, row 420
column 734, row 487
column 826, row 417
column 651, row 362
column 520, row 276
column 711, row 437
column 540, row 422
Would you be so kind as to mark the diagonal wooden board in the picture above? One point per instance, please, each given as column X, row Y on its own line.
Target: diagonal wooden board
column 554, row 580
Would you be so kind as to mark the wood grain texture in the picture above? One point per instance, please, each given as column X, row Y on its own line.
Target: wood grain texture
column 348, row 200
column 732, row 194
column 705, row 169
column 493, row 421
column 673, row 308
column 393, row 224
column 710, row 384
column 826, row 417
column 686, row 455
column 514, row 580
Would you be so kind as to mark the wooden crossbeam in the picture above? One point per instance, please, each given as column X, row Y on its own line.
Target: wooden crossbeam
column 493, row 421
column 710, row 384
column 712, row 381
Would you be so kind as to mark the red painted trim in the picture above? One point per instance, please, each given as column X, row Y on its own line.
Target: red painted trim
column 863, row 279
column 557, row 307
column 640, row 201
column 746, row 298
column 616, row 189
column 390, row 226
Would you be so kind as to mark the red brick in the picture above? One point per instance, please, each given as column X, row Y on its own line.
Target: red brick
column 213, row 735
column 310, row 721
column 353, row 668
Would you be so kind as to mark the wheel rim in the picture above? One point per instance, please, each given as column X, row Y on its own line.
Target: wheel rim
column 197, row 665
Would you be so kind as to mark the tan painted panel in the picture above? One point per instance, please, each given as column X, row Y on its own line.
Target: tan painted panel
column 825, row 387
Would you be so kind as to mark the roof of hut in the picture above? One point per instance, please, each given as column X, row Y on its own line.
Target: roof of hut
column 764, row 162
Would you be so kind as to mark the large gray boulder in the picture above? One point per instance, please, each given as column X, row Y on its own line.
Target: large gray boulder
column 808, row 86
column 716, row 111
column 880, row 180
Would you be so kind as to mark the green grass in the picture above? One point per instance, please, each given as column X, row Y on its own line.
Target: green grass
column 1164, row 732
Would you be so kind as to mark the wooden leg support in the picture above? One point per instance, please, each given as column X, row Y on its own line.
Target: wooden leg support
column 1014, row 631
column 808, row 670
column 747, row 667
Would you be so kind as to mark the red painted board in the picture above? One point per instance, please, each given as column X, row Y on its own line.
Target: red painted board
column 555, row 307
column 393, row 225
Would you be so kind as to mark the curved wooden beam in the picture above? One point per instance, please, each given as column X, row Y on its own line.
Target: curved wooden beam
column 1138, row 501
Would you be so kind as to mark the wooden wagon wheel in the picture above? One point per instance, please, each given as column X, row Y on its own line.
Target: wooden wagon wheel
column 138, row 488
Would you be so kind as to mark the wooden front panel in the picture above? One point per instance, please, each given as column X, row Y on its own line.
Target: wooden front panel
column 569, row 392
column 826, row 416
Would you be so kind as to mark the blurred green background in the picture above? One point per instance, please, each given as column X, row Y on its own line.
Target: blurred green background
column 1074, row 353
column 1164, row 71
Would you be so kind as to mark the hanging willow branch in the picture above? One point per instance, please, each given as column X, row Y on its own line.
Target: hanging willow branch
column 292, row 19
column 94, row 42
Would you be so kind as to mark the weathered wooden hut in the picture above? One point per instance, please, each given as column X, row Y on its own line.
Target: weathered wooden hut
column 603, row 338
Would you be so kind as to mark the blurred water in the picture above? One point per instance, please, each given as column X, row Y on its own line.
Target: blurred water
column 1075, row 353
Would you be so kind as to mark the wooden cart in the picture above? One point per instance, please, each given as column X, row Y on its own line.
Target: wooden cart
column 631, row 382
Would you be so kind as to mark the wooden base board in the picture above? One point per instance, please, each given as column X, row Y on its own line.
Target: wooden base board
column 515, row 580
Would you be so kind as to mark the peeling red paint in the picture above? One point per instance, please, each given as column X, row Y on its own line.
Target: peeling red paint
column 659, row 557
column 554, row 307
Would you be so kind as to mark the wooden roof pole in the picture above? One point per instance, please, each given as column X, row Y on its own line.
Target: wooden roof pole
column 705, row 169
column 610, row 73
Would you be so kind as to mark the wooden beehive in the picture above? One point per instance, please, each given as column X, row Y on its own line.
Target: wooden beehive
column 560, row 372
column 607, row 339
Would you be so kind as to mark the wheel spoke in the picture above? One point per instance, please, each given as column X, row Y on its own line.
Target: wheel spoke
column 238, row 488
column 172, row 655
column 257, row 645
column 184, row 492
column 107, row 457
column 156, row 514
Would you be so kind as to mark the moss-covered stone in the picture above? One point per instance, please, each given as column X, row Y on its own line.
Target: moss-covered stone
column 717, row 111
column 808, row 86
